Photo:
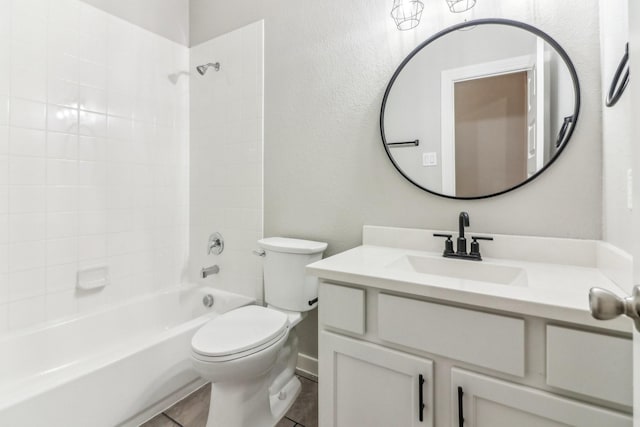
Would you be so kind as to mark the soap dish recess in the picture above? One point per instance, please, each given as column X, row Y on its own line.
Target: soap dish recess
column 93, row 278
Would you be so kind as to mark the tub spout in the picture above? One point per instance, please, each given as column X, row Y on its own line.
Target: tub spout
column 208, row 271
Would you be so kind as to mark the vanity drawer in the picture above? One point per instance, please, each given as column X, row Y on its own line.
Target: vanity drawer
column 342, row 307
column 487, row 340
column 590, row 363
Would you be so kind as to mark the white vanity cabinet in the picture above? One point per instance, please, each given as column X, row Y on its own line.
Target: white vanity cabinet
column 373, row 386
column 494, row 368
column 482, row 401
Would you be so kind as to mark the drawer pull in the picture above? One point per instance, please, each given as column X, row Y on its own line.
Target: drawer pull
column 460, row 413
column 421, row 404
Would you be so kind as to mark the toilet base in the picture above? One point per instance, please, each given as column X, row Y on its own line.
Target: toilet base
column 249, row 405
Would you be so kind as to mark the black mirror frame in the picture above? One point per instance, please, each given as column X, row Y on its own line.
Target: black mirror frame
column 566, row 136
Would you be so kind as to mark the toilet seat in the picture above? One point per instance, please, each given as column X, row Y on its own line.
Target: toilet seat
column 239, row 333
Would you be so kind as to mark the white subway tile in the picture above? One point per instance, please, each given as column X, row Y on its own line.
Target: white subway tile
column 61, row 277
column 61, row 304
column 4, row 318
column 61, row 199
column 64, row 67
column 27, row 171
column 90, row 148
column 4, row 288
column 93, row 99
column 63, row 92
column 4, row 110
column 62, row 119
column 62, row 251
column 94, row 75
column 92, row 247
column 27, row 227
column 94, row 49
column 93, row 124
column 27, row 142
column 4, row 139
column 62, row 225
column 26, row 312
column 92, row 173
column 62, row 172
column 27, row 255
column 64, row 13
column 4, row 170
column 91, row 223
column 120, row 128
column 62, row 146
column 26, row 284
column 4, row 229
column 92, row 199
column 23, row 199
column 28, row 114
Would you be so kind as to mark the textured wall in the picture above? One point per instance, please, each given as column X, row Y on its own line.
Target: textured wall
column 326, row 173
column 616, row 122
column 168, row 18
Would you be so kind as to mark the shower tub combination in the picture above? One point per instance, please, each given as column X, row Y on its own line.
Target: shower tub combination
column 114, row 367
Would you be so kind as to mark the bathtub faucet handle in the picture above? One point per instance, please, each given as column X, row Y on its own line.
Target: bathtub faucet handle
column 216, row 244
column 260, row 252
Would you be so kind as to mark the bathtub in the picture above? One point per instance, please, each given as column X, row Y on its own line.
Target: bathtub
column 114, row 367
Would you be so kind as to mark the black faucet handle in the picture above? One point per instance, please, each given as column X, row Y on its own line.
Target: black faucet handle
column 448, row 236
column 475, row 246
column 448, row 244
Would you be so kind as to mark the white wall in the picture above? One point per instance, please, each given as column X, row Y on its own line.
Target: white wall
column 327, row 64
column 616, row 125
column 93, row 159
column 168, row 18
column 226, row 159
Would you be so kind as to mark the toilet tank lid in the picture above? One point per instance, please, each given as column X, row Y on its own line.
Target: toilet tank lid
column 292, row 246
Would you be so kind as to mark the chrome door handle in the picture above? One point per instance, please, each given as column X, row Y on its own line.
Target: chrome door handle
column 605, row 305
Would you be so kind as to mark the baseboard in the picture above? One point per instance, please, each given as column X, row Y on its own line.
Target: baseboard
column 308, row 365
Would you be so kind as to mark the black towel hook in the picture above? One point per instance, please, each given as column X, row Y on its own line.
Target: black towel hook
column 618, row 86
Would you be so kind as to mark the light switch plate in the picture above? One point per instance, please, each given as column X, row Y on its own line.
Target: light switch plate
column 429, row 159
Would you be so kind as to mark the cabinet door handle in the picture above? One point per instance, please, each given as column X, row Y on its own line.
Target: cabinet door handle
column 460, row 413
column 421, row 398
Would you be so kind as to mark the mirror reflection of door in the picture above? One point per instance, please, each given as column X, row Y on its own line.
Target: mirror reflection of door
column 491, row 133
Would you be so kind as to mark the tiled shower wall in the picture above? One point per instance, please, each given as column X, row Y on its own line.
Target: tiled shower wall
column 226, row 159
column 93, row 158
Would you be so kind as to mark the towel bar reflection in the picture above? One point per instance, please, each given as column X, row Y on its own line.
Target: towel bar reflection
column 620, row 81
column 404, row 144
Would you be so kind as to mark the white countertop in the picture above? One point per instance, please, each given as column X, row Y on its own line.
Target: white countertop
column 552, row 291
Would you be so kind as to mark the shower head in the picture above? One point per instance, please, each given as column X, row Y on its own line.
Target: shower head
column 202, row 69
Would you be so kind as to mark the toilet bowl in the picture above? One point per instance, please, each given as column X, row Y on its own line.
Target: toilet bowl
column 249, row 354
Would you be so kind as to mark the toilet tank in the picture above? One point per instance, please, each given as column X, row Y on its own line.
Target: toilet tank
column 286, row 285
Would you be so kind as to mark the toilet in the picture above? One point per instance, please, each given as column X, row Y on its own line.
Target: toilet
column 249, row 354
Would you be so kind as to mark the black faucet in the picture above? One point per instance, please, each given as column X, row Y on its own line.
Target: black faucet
column 461, row 252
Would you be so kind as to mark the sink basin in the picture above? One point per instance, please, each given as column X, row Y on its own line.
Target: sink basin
column 479, row 271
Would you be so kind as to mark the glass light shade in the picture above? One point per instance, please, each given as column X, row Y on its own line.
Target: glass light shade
column 458, row 6
column 407, row 13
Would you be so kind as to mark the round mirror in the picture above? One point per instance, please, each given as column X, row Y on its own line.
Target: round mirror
column 480, row 109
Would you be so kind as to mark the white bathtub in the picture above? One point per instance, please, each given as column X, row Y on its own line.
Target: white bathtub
column 109, row 368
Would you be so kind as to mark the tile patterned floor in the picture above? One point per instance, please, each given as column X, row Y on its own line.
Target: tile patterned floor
column 194, row 409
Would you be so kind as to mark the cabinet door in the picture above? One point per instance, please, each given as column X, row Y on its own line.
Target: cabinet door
column 487, row 402
column 362, row 384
